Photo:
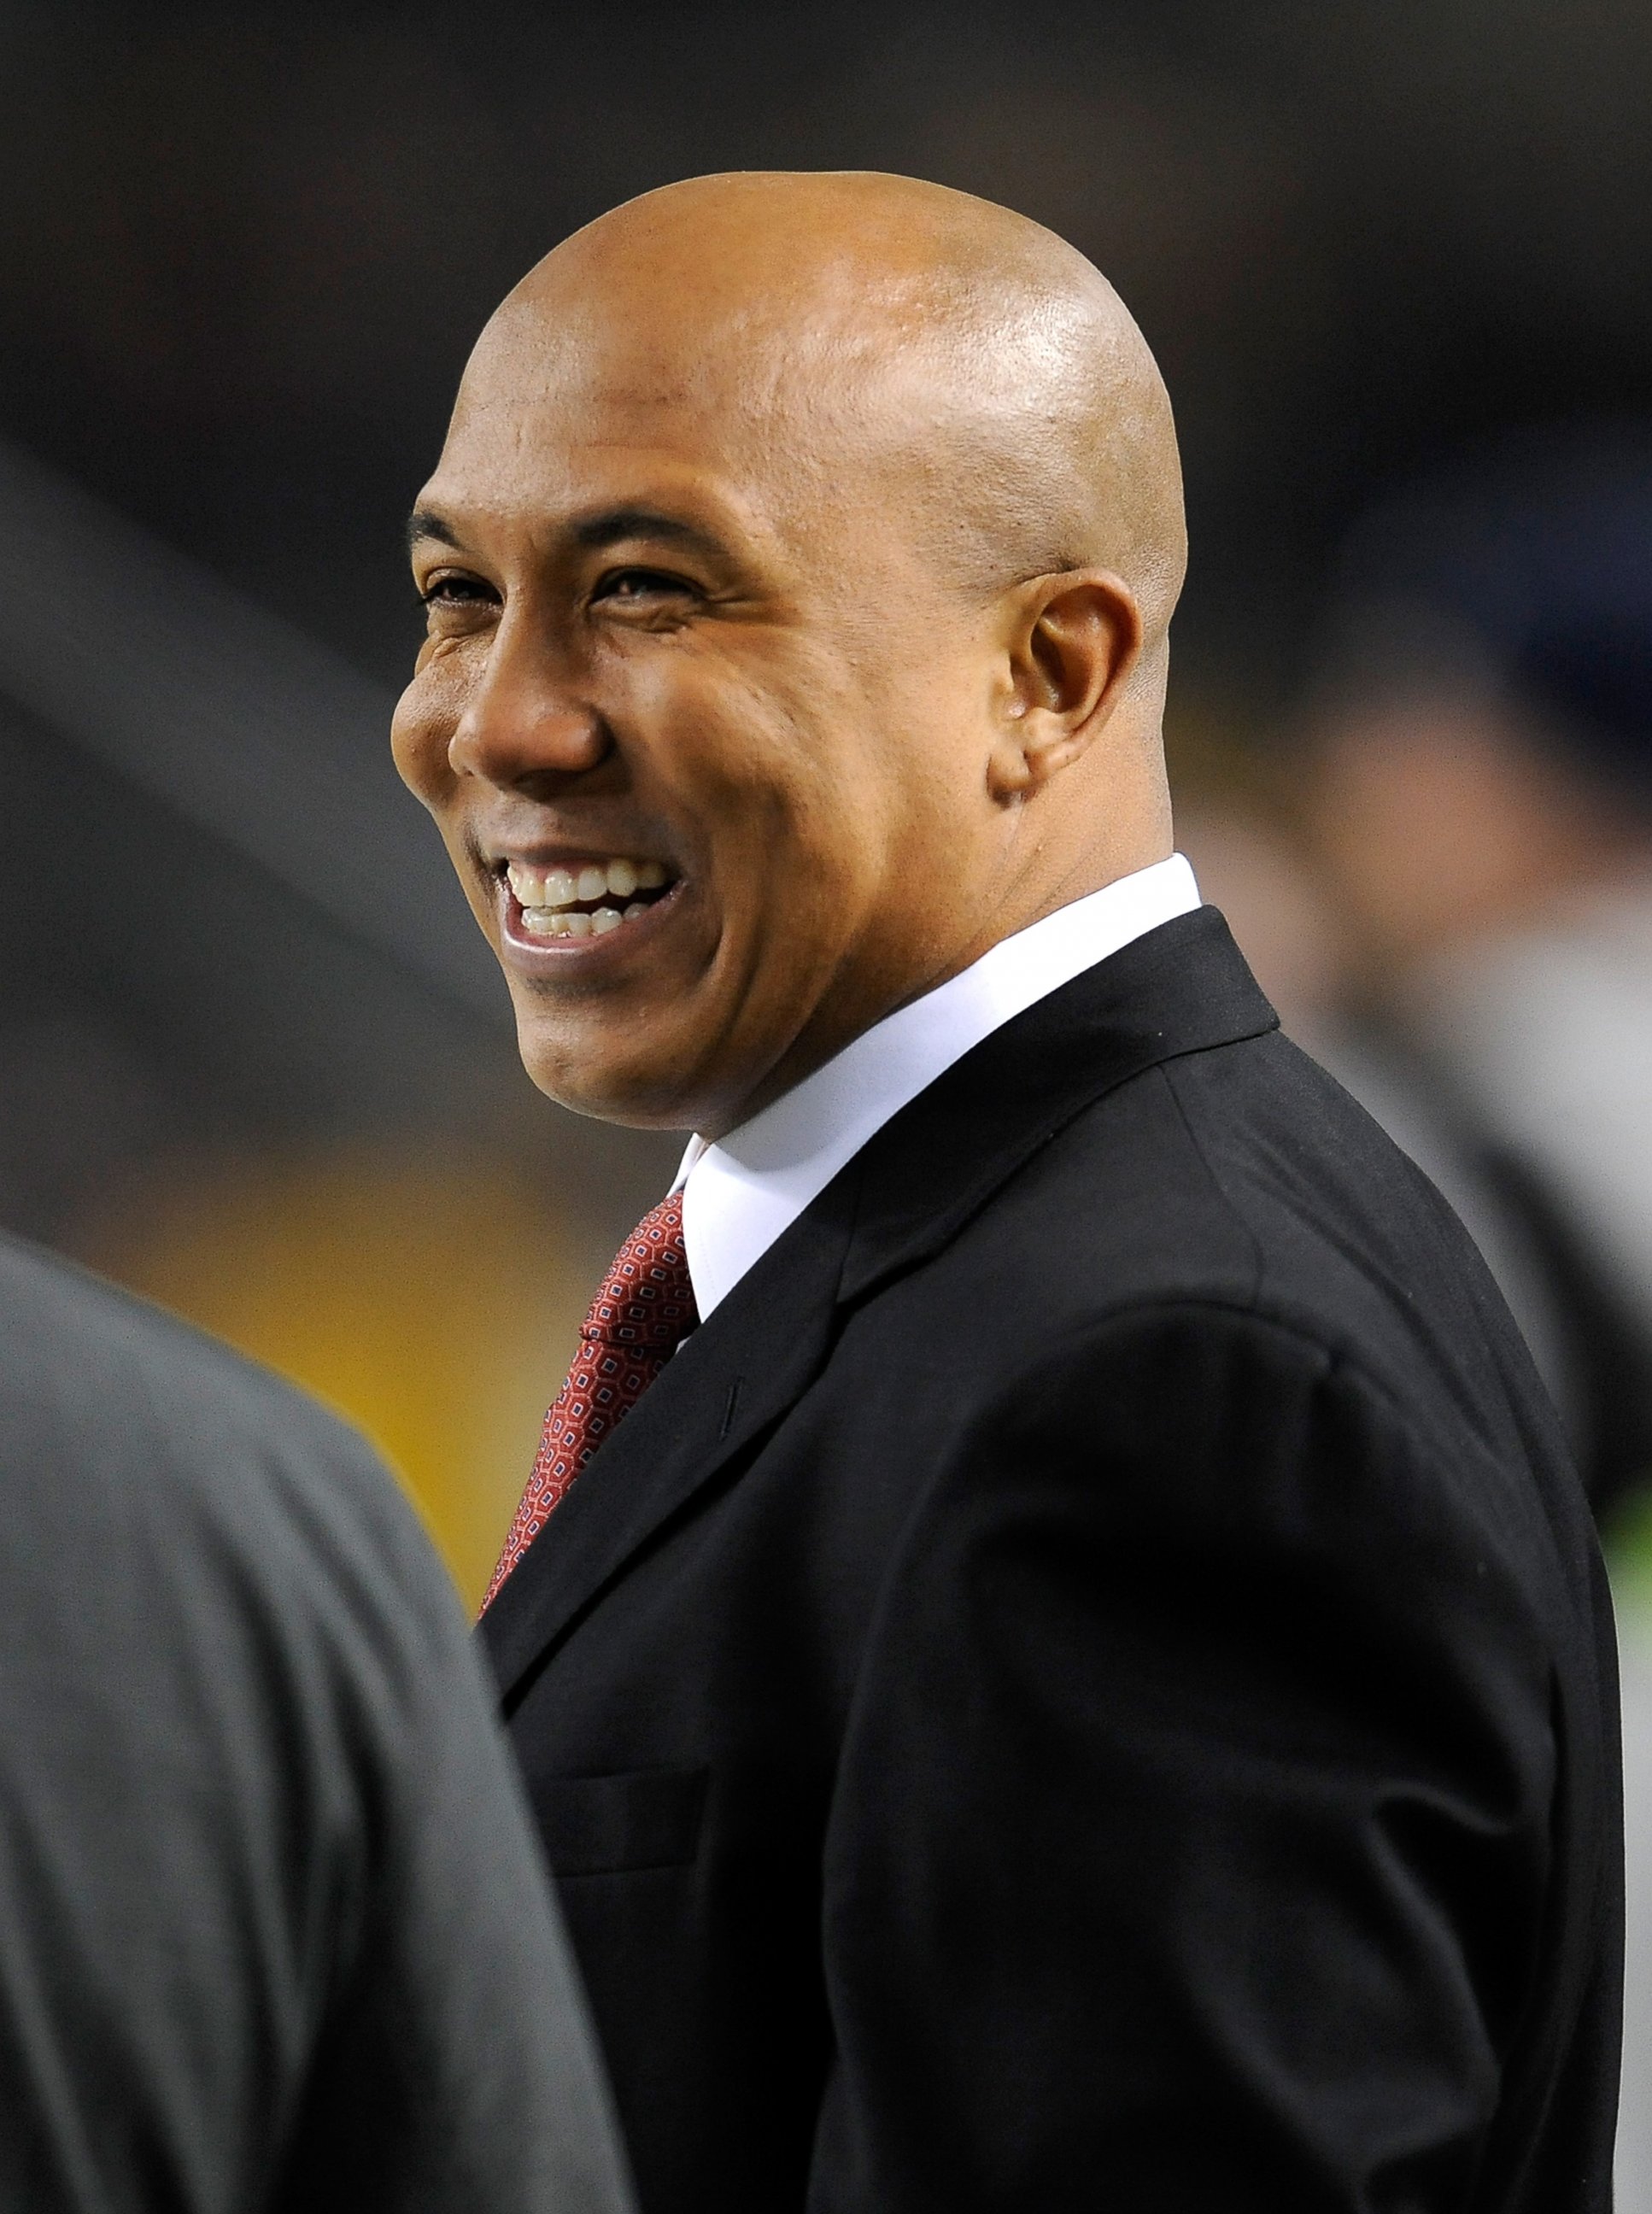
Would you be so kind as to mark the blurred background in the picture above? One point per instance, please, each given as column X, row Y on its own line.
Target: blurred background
column 1392, row 257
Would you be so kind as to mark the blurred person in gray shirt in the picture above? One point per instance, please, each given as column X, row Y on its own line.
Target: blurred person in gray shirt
column 273, row 1932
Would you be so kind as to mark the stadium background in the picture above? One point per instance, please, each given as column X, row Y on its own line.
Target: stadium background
column 251, row 1061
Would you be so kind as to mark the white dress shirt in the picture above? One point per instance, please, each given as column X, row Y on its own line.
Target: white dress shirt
column 741, row 1194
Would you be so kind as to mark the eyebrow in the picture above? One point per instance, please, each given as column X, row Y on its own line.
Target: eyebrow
column 615, row 524
column 424, row 524
column 611, row 527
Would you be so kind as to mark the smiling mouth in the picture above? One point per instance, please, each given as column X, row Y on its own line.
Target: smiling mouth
column 587, row 901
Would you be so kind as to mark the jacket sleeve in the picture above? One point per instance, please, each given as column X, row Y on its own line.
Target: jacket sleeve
column 1190, row 1841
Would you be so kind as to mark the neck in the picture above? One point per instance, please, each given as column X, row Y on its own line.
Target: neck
column 825, row 1040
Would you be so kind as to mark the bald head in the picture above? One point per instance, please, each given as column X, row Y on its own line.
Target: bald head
column 801, row 559
column 967, row 359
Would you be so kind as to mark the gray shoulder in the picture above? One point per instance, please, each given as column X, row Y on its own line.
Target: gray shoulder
column 131, row 1441
column 264, row 1855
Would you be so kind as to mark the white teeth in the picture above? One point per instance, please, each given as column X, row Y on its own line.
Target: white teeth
column 546, row 892
column 557, row 922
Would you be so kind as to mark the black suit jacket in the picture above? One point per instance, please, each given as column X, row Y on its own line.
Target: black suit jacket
column 1088, row 1682
column 273, row 1935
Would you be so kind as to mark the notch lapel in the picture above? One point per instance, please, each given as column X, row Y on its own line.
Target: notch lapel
column 1183, row 988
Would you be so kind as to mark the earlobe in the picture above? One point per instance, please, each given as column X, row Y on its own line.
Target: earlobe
column 1079, row 638
column 1009, row 773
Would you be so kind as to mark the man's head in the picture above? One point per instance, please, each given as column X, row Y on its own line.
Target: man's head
column 1479, row 750
column 799, row 563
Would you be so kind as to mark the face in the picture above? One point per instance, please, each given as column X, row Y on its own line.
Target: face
column 1439, row 821
column 705, row 727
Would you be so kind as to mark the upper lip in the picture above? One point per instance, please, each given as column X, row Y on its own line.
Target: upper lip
column 497, row 855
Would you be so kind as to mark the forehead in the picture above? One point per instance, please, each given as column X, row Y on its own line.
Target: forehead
column 540, row 394
column 760, row 433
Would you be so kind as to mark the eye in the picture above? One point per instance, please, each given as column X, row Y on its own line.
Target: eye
column 452, row 589
column 641, row 588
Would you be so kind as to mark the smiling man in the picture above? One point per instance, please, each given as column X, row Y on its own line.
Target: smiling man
column 1055, row 1649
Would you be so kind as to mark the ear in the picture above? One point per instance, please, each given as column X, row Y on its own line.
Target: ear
column 1075, row 639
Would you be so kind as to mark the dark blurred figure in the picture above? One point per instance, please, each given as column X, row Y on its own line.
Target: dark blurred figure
column 273, row 1931
column 1450, row 894
column 1481, row 803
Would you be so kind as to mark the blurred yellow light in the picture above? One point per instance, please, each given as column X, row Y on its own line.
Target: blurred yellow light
column 432, row 1303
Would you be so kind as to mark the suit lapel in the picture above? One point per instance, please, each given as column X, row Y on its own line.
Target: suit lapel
column 1183, row 988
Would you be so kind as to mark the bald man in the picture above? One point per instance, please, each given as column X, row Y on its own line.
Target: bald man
column 1055, row 1650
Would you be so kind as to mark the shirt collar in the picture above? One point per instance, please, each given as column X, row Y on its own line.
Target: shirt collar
column 742, row 1194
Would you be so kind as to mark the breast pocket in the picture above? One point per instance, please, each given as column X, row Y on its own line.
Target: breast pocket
column 597, row 1824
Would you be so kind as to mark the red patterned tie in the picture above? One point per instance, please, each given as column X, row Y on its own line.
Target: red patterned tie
column 642, row 1313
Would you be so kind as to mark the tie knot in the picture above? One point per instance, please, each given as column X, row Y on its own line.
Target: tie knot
column 648, row 1297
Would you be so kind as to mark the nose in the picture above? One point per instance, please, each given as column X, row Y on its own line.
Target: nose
column 525, row 722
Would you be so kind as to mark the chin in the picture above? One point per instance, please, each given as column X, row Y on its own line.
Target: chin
column 648, row 1095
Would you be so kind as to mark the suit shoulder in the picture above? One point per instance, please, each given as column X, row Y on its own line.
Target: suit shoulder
column 1243, row 1172
column 1351, row 1241
column 1241, row 1202
column 1242, row 1181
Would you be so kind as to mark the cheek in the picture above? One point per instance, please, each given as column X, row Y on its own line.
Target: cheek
column 804, row 845
column 426, row 718
column 762, row 761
